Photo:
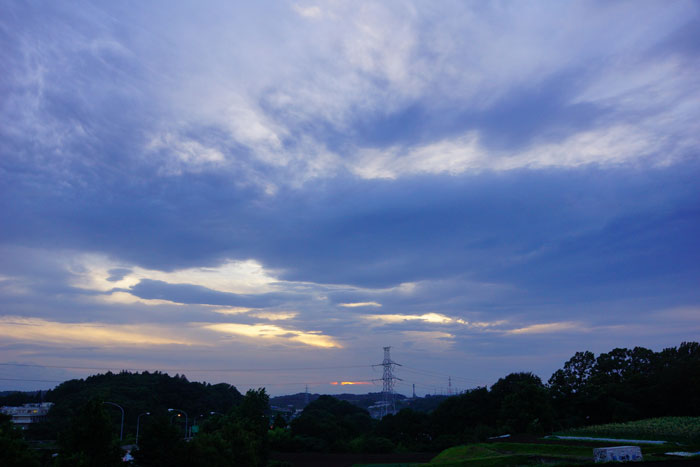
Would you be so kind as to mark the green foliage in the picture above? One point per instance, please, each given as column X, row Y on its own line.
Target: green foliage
column 510, row 454
column 459, row 416
column 137, row 393
column 681, row 429
column 279, row 421
column 90, row 439
column 238, row 438
column 619, row 385
column 371, row 444
column 527, row 410
column 233, row 444
column 161, row 443
column 330, row 424
column 408, row 428
column 14, row 451
column 625, row 384
column 17, row 398
column 517, row 403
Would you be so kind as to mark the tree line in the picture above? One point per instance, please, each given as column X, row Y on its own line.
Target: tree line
column 236, row 429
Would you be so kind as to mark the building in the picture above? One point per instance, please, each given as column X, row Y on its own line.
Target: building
column 28, row 413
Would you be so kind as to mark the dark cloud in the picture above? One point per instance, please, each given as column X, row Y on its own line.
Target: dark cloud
column 539, row 110
column 196, row 294
column 117, row 274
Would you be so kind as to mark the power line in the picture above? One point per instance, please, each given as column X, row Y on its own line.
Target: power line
column 240, row 384
column 442, row 375
column 32, row 380
column 192, row 370
column 388, row 379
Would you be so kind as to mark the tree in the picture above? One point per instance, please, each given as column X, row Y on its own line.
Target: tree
column 161, row 444
column 90, row 440
column 14, row 451
column 524, row 403
column 570, row 390
column 138, row 392
column 329, row 423
column 527, row 410
column 466, row 417
column 407, row 428
column 574, row 377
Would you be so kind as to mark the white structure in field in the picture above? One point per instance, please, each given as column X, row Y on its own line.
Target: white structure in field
column 617, row 454
column 27, row 413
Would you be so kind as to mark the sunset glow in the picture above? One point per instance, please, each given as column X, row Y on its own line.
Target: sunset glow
column 350, row 383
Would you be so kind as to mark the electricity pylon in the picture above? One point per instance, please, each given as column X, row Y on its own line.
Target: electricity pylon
column 388, row 378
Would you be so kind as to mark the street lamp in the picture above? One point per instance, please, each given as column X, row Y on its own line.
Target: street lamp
column 138, row 420
column 121, row 431
column 178, row 410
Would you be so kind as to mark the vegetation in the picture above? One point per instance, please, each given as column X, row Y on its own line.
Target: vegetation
column 137, row 393
column 364, row 401
column 679, row 429
column 584, row 397
column 14, row 451
column 17, row 398
column 234, row 439
column 624, row 385
column 510, row 454
column 89, row 440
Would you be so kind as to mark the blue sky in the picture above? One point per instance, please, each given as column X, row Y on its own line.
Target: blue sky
column 212, row 189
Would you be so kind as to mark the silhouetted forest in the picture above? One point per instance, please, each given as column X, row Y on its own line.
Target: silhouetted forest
column 225, row 428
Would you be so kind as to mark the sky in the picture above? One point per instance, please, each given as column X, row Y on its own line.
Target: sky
column 268, row 193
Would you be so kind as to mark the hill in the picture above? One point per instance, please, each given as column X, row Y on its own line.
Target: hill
column 136, row 393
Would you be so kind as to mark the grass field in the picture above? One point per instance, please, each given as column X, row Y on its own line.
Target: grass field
column 685, row 430
column 679, row 429
column 514, row 453
column 503, row 454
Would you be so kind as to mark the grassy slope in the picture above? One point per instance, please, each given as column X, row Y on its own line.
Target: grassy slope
column 508, row 454
column 679, row 429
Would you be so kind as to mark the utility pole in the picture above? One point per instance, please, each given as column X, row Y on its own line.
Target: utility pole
column 449, row 385
column 389, row 405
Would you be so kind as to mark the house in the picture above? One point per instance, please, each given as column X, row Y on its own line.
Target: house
column 27, row 413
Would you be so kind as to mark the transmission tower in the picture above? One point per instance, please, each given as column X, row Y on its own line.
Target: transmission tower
column 388, row 378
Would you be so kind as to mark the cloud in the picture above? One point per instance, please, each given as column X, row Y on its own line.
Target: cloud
column 195, row 294
column 350, row 383
column 117, row 274
column 378, row 62
column 269, row 331
column 549, row 328
column 359, row 304
column 276, row 316
column 604, row 146
column 308, row 11
column 428, row 317
column 100, row 334
column 459, row 179
column 188, row 154
column 97, row 272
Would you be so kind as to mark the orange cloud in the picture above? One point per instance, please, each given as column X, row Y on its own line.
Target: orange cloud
column 347, row 383
column 271, row 331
